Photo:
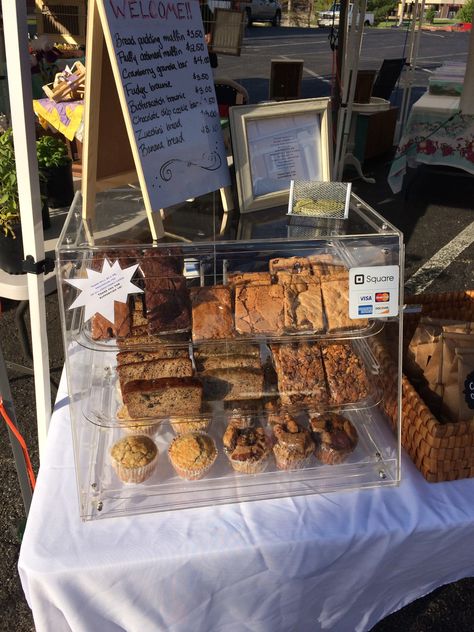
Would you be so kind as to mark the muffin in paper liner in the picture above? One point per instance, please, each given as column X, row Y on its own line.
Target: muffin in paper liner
column 131, row 426
column 293, row 447
column 247, row 448
column 335, row 437
column 192, row 454
column 189, row 424
column 134, row 458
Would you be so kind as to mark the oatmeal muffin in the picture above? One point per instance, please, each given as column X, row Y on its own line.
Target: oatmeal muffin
column 192, row 454
column 134, row 427
column 134, row 458
column 183, row 425
column 294, row 446
column 247, row 449
column 335, row 437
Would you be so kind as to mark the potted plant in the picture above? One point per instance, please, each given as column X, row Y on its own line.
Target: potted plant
column 11, row 243
column 55, row 165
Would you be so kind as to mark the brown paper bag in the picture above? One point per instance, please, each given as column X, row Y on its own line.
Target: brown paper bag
column 466, row 383
column 453, row 345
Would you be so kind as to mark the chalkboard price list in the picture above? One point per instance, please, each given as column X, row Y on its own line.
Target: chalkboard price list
column 194, row 34
column 168, row 86
column 204, row 76
column 200, row 59
column 196, row 47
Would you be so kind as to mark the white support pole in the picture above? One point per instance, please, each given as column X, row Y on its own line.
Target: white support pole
column 21, row 102
column 409, row 75
column 352, row 49
column 467, row 96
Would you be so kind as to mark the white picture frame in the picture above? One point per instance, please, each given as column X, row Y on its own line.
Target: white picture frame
column 274, row 143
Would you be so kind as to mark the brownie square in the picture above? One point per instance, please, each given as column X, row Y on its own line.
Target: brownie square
column 212, row 313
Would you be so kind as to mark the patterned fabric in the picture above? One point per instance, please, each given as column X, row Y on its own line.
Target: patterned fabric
column 65, row 117
column 435, row 137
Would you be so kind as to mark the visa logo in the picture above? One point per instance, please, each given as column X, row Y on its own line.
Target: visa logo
column 366, row 298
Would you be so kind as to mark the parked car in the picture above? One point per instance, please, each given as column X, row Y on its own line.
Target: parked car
column 261, row 11
column 331, row 16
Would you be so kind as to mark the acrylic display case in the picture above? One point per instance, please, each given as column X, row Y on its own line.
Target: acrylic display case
column 270, row 344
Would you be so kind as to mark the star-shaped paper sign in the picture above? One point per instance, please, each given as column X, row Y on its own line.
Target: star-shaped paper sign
column 101, row 289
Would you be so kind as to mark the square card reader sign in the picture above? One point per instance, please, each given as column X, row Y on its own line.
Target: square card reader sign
column 374, row 292
column 161, row 58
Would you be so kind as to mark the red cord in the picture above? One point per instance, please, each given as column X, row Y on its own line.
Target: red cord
column 21, row 441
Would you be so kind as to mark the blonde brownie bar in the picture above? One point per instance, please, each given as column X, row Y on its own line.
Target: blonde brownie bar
column 335, row 291
column 303, row 302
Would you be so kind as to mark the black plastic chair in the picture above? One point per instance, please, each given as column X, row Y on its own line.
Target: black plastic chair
column 387, row 77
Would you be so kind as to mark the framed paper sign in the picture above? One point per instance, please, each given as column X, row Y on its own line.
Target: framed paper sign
column 275, row 143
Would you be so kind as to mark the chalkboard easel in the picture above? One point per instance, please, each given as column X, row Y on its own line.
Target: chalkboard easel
column 109, row 155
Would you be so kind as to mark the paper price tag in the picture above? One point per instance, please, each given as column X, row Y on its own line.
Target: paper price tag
column 101, row 289
column 374, row 292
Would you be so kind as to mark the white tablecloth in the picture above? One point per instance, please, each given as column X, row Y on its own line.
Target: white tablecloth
column 339, row 561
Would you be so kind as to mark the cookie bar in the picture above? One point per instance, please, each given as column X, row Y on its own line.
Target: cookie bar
column 345, row 373
column 300, row 372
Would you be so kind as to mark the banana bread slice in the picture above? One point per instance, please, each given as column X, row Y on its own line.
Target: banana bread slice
column 153, row 369
column 163, row 397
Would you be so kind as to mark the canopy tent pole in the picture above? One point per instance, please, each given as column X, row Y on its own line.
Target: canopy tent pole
column 351, row 42
column 413, row 46
column 21, row 103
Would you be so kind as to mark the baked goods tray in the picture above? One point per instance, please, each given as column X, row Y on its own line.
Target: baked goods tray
column 102, row 402
column 276, row 291
column 373, row 463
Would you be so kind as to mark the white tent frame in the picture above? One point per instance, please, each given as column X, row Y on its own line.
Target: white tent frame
column 22, row 117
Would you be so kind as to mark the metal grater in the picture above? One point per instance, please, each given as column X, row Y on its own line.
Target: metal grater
column 317, row 208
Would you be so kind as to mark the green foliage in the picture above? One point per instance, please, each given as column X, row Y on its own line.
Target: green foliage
column 49, row 155
column 430, row 15
column 51, row 152
column 466, row 12
column 381, row 8
column 9, row 204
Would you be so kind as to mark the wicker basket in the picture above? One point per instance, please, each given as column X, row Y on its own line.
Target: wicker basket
column 441, row 451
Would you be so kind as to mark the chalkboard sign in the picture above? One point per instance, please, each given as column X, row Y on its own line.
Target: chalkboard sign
column 161, row 67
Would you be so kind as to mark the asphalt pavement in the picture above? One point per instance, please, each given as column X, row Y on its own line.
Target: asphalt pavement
column 434, row 210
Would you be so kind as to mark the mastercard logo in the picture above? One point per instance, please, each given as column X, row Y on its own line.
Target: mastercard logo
column 382, row 297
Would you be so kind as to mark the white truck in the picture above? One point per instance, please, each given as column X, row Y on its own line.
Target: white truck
column 253, row 10
column 331, row 16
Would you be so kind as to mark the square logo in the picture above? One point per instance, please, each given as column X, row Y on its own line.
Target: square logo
column 359, row 279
